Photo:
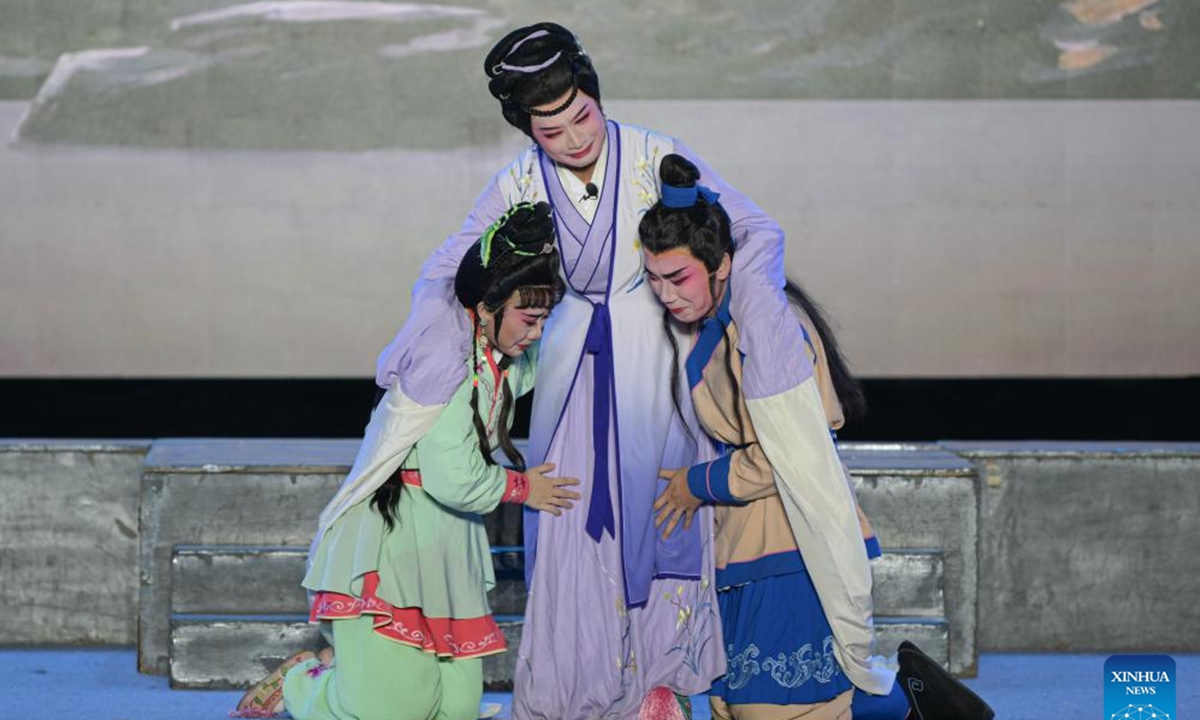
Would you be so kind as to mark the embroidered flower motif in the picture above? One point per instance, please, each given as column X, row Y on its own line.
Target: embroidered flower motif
column 316, row 671
column 684, row 614
column 693, row 615
column 522, row 179
column 645, row 183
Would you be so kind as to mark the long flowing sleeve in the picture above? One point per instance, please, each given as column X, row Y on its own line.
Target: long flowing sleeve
column 426, row 354
column 776, row 357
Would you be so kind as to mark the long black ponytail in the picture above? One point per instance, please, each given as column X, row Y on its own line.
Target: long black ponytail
column 847, row 387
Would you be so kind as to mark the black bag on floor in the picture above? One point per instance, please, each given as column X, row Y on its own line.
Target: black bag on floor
column 933, row 693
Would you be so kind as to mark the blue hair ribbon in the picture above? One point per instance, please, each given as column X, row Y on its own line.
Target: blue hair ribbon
column 674, row 196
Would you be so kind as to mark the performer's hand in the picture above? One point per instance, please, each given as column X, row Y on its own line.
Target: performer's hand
column 549, row 494
column 677, row 502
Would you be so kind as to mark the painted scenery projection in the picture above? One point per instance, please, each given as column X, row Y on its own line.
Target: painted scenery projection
column 202, row 188
column 329, row 75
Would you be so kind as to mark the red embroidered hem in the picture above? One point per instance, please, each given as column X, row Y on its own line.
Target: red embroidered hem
column 447, row 637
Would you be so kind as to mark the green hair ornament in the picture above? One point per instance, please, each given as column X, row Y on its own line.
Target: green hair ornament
column 492, row 234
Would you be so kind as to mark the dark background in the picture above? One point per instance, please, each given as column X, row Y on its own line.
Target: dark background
column 900, row 409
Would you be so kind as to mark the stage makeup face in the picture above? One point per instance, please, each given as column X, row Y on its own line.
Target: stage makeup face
column 519, row 327
column 574, row 137
column 681, row 283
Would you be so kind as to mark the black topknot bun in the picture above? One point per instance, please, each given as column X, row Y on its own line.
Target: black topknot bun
column 678, row 171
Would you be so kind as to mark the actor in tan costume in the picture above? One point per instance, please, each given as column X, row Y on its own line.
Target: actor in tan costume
column 792, row 579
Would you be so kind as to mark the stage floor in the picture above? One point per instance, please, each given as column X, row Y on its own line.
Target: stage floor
column 102, row 684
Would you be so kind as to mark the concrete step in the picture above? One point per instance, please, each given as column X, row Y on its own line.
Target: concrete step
column 220, row 652
column 232, row 651
column 931, row 634
column 921, row 496
column 908, row 582
column 241, row 579
column 267, row 493
column 238, row 579
column 248, row 492
column 233, row 579
column 238, row 492
column 214, row 652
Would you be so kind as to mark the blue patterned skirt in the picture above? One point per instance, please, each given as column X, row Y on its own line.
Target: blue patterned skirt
column 779, row 644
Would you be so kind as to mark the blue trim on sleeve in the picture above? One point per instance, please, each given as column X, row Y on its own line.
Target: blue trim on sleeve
column 710, row 481
column 873, row 549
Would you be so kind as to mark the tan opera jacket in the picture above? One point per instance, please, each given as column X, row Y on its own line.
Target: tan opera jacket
column 753, row 537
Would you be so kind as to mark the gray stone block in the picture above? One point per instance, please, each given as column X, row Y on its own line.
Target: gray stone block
column 220, row 652
column 233, row 579
column 1087, row 547
column 932, row 635
column 918, row 497
column 246, row 492
column 69, row 541
column 908, row 583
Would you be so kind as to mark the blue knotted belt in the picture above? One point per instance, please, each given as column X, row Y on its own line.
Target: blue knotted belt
column 598, row 344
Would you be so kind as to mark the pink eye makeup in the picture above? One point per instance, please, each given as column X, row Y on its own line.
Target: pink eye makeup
column 530, row 318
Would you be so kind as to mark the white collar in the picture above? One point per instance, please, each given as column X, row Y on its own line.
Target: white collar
column 576, row 189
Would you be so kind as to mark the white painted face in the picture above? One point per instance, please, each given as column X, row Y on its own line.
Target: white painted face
column 573, row 137
column 519, row 327
column 681, row 283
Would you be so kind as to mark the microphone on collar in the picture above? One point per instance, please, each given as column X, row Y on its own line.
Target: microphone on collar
column 591, row 192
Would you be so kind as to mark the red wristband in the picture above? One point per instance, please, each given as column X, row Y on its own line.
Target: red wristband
column 516, row 489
